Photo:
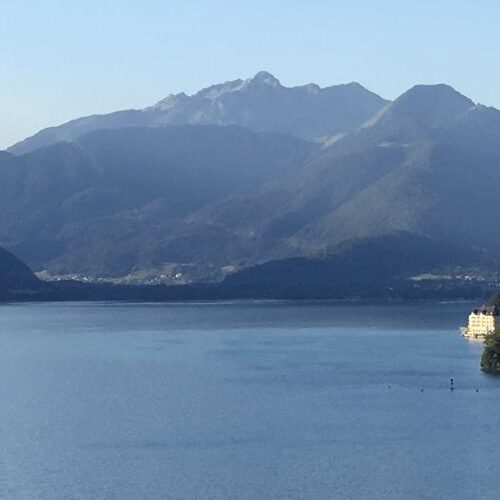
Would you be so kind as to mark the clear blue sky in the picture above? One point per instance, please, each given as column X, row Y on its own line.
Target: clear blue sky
column 60, row 59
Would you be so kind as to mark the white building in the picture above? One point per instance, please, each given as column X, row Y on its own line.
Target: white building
column 482, row 322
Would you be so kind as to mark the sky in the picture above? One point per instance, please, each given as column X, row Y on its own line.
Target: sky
column 60, row 60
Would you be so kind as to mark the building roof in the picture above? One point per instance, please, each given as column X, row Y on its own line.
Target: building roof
column 488, row 310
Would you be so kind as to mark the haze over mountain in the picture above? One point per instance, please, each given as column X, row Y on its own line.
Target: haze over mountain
column 419, row 171
column 112, row 201
column 409, row 190
column 260, row 103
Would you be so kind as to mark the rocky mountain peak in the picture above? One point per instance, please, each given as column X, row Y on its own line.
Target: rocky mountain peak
column 428, row 106
column 432, row 103
column 265, row 78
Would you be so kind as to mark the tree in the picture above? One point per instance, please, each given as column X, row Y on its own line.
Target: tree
column 490, row 359
column 495, row 299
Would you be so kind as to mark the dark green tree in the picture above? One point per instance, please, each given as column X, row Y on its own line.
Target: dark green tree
column 490, row 359
column 495, row 299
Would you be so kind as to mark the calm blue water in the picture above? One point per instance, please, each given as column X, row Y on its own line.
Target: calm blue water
column 244, row 401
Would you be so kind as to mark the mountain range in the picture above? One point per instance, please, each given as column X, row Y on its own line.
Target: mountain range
column 260, row 103
column 263, row 184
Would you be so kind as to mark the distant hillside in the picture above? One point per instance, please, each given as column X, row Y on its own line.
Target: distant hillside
column 15, row 275
column 349, row 273
column 260, row 103
column 113, row 201
column 436, row 175
column 372, row 267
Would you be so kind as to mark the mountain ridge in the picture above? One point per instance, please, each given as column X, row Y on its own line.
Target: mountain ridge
column 260, row 103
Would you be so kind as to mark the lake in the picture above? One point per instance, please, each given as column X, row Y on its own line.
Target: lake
column 244, row 400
